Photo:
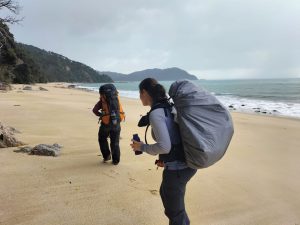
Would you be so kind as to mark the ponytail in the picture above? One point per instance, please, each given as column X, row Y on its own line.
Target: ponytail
column 156, row 91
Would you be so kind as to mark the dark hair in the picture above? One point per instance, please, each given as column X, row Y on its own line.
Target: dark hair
column 156, row 91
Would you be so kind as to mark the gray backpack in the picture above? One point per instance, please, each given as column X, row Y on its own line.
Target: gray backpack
column 205, row 125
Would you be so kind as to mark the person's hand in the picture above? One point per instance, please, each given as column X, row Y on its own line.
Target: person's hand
column 159, row 163
column 136, row 145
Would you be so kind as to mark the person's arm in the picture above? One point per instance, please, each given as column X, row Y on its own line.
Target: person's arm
column 161, row 133
column 96, row 108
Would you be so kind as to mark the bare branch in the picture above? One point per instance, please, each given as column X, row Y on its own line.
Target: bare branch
column 11, row 20
column 12, row 6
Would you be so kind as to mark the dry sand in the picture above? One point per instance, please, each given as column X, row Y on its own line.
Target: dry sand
column 257, row 182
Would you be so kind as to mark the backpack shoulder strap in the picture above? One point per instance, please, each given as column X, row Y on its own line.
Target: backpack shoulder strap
column 165, row 106
column 160, row 105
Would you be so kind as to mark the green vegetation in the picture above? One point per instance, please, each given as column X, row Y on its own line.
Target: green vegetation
column 20, row 63
column 15, row 65
column 56, row 67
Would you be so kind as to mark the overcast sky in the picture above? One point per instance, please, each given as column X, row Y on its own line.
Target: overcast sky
column 213, row 39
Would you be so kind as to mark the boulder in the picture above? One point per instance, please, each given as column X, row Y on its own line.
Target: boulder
column 27, row 88
column 5, row 87
column 25, row 149
column 47, row 150
column 7, row 138
column 42, row 149
column 43, row 89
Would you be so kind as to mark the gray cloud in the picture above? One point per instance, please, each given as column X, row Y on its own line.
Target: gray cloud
column 213, row 39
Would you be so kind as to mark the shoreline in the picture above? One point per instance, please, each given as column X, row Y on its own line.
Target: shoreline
column 228, row 107
column 64, row 85
column 232, row 107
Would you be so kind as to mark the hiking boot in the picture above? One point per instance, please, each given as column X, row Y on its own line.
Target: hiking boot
column 115, row 162
column 107, row 158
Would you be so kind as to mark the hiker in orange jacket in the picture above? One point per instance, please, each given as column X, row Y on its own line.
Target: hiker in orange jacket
column 110, row 112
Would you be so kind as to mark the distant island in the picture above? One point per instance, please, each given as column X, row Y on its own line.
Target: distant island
column 173, row 73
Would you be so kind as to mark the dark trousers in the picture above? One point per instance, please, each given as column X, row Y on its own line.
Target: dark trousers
column 113, row 132
column 172, row 191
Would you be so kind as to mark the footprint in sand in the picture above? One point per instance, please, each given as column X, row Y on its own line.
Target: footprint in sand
column 108, row 175
column 131, row 179
column 114, row 172
column 154, row 192
column 111, row 174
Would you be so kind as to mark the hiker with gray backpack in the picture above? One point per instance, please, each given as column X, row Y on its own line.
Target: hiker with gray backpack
column 192, row 132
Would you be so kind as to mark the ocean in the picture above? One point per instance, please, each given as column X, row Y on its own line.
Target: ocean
column 274, row 97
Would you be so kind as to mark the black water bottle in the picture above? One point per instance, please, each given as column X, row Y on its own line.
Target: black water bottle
column 137, row 138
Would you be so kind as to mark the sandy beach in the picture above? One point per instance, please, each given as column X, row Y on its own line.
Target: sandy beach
column 256, row 183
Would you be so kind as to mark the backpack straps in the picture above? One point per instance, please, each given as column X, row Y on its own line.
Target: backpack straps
column 146, row 133
column 145, row 120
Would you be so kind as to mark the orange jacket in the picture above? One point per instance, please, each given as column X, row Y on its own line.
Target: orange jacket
column 105, row 110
